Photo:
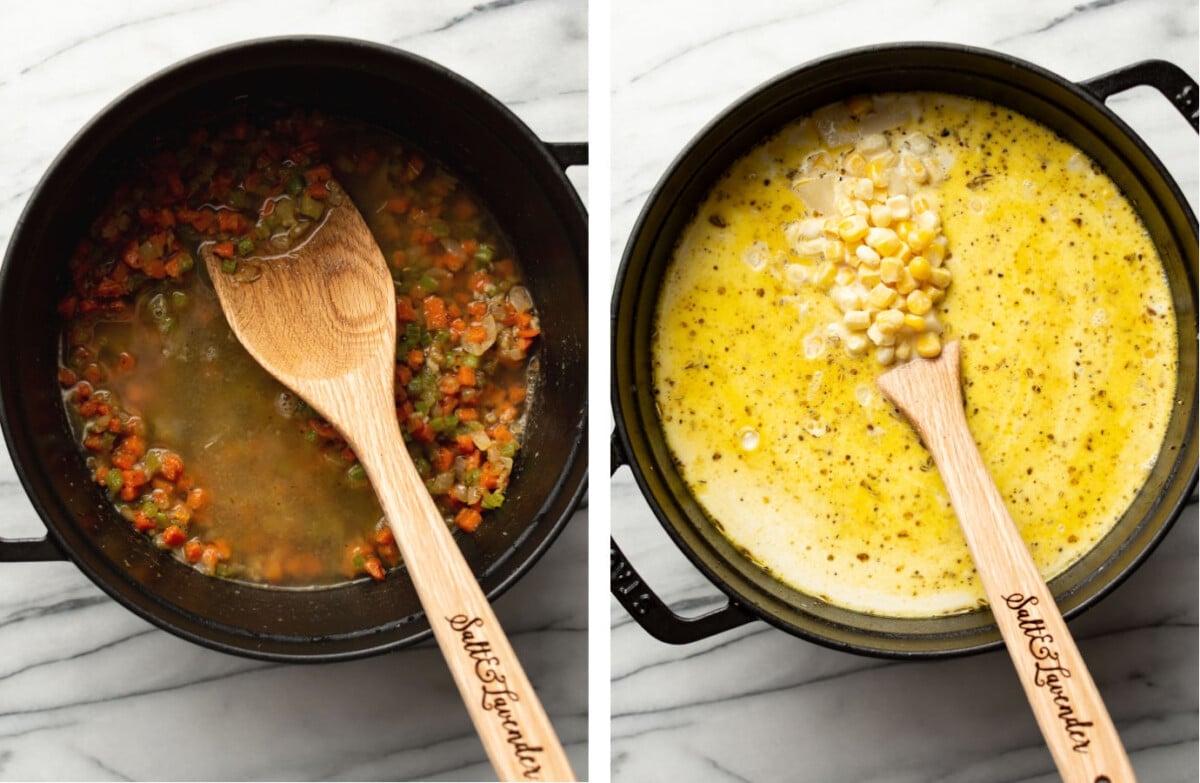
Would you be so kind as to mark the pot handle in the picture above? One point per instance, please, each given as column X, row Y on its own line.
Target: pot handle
column 569, row 153
column 24, row 550
column 1169, row 79
column 644, row 605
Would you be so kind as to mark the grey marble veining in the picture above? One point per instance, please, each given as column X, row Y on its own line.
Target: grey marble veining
column 755, row 704
column 90, row 691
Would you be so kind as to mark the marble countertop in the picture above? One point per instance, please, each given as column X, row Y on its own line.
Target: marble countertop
column 756, row 704
column 90, row 691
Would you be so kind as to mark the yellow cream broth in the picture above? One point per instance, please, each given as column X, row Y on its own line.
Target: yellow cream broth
column 1069, row 351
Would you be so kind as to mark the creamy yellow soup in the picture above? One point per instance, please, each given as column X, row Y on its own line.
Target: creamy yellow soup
column 1069, row 361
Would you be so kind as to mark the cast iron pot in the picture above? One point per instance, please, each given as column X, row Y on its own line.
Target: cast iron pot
column 521, row 179
column 1077, row 112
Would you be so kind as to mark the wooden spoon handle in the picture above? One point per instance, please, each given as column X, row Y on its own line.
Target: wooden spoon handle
column 1072, row 717
column 509, row 717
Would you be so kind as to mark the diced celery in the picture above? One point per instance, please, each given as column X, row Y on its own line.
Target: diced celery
column 310, row 207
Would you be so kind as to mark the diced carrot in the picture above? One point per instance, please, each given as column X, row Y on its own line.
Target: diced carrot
column 384, row 536
column 92, row 373
column 476, row 334
column 374, row 568
column 468, row 414
column 123, row 460
column 500, row 433
column 465, row 444
column 128, row 493
column 317, row 190
column 67, row 377
column 506, row 267
column 529, row 333
column 435, row 312
column 403, row 375
column 318, row 173
column 468, row 519
column 397, row 205
column 444, row 460
column 424, row 433
column 172, row 466
column 134, row 444
column 516, row 394
column 197, row 498
column 405, row 312
column 477, row 309
column 141, row 522
column 466, row 375
column 174, row 536
column 192, row 550
column 209, row 558
column 453, row 262
column 448, row 384
column 175, row 184
column 125, row 361
column 102, row 474
column 507, row 413
column 222, row 547
column 223, row 249
column 415, row 359
column 488, row 477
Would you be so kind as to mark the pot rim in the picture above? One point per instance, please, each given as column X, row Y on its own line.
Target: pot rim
column 626, row 420
column 572, row 476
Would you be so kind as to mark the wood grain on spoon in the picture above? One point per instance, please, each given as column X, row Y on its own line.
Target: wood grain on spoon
column 1074, row 722
column 322, row 319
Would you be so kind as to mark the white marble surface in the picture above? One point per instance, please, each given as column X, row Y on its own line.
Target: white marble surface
column 756, row 704
column 88, row 690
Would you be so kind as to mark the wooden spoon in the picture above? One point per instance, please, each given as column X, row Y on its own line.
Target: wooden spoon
column 1065, row 701
column 322, row 319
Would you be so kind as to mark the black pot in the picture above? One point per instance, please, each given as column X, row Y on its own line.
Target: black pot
column 1077, row 112
column 520, row 178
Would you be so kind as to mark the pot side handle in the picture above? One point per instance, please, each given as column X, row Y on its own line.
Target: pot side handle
column 25, row 550
column 569, row 153
column 1169, row 79
column 647, row 609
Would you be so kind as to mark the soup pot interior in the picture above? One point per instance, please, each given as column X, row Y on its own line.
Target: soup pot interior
column 1035, row 93
column 482, row 143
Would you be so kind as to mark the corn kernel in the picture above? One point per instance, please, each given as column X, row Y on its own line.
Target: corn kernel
column 845, row 207
column 906, row 284
column 920, row 269
column 825, row 275
column 900, row 207
column 857, row 344
column 834, row 250
column 844, row 276
column 879, row 337
column 867, row 255
column 885, row 355
column 928, row 344
column 935, row 251
column 903, row 350
column 940, row 277
column 928, row 221
column 919, row 239
column 918, row 302
column 915, row 323
column 936, row 295
column 853, row 228
column 855, row 164
column 862, row 189
column 889, row 269
column 915, row 169
column 880, row 297
column 857, row 320
column 921, row 202
column 847, row 298
column 877, row 171
column 868, row 277
column 884, row 240
column 881, row 215
column 890, row 321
